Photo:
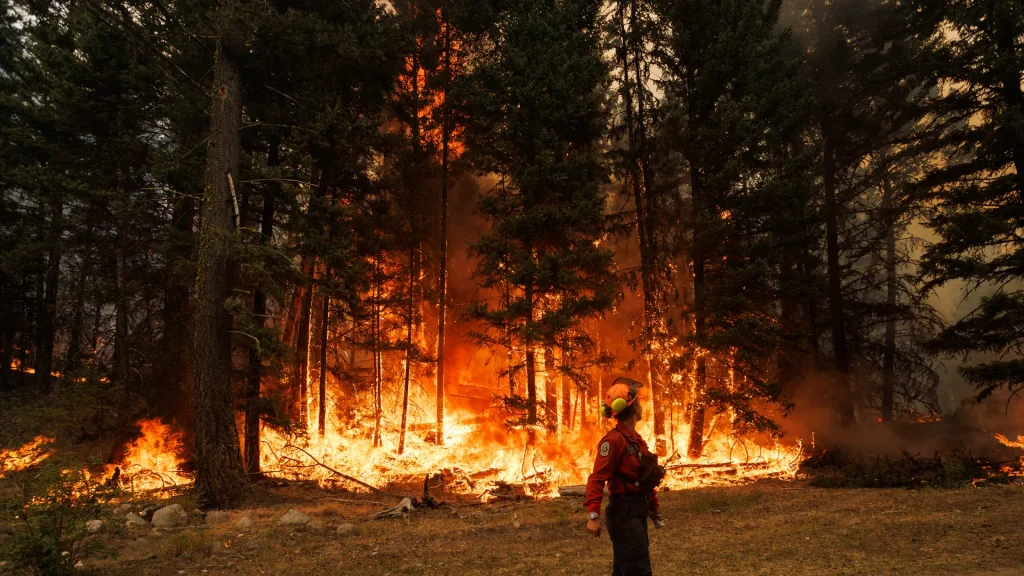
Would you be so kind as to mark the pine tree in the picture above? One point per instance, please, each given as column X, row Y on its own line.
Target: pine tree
column 733, row 102
column 979, row 187
column 535, row 113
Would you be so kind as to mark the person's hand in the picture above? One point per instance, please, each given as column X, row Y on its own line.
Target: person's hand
column 658, row 522
column 594, row 527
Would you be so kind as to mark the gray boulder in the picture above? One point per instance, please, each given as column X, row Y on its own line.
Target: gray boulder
column 93, row 526
column 135, row 521
column 244, row 523
column 295, row 519
column 173, row 516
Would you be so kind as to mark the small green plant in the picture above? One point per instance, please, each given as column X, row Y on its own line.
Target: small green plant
column 48, row 534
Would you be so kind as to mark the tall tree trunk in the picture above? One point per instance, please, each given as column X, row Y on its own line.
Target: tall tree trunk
column 828, row 40
column 75, row 339
column 641, row 182
column 378, row 376
column 700, row 208
column 220, row 474
column 408, row 349
column 301, row 372
column 325, row 320
column 259, row 312
column 844, row 399
column 550, row 389
column 567, row 419
column 1006, row 34
column 442, row 279
column 531, row 369
column 889, row 355
column 175, row 382
column 48, row 310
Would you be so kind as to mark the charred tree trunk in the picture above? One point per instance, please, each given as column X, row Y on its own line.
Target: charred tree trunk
column 442, row 279
column 48, row 310
column 550, row 390
column 531, row 371
column 567, row 419
column 76, row 338
column 889, row 354
column 378, row 376
column 325, row 319
column 1013, row 94
column 259, row 311
column 844, row 400
column 302, row 356
column 828, row 44
column 408, row 350
column 220, row 474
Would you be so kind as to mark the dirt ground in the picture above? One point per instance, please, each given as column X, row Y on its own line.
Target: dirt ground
column 776, row 528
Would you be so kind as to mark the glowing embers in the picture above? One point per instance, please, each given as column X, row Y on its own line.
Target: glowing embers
column 151, row 461
column 25, row 456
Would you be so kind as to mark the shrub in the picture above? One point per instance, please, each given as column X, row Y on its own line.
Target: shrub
column 48, row 534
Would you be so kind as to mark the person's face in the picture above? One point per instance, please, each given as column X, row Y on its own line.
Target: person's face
column 639, row 411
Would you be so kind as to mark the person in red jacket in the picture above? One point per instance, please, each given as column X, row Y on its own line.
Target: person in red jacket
column 618, row 465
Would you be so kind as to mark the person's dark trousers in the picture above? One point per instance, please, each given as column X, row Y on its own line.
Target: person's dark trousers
column 626, row 519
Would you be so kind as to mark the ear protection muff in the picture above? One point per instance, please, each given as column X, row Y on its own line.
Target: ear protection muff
column 621, row 403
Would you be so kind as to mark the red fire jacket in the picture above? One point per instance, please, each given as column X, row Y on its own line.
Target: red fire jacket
column 615, row 458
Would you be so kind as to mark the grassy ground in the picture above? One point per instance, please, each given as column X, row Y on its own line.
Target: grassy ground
column 779, row 528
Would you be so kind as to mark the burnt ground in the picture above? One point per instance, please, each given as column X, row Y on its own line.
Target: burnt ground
column 770, row 528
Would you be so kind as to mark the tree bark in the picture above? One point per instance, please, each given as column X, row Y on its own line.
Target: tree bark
column 531, row 372
column 301, row 372
column 442, row 281
column 889, row 355
column 844, row 400
column 408, row 349
column 48, row 310
column 220, row 474
column 550, row 389
column 378, row 376
column 259, row 312
column 325, row 319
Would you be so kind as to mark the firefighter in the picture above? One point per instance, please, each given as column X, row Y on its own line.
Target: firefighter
column 623, row 460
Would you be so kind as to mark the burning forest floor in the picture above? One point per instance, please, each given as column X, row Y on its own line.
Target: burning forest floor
column 771, row 526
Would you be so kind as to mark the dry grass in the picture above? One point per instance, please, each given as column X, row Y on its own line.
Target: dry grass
column 763, row 529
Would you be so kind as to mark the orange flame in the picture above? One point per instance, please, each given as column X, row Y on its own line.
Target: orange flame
column 26, row 456
column 152, row 461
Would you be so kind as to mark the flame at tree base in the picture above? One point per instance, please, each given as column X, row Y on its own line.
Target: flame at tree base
column 477, row 457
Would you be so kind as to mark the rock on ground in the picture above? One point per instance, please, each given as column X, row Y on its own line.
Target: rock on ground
column 173, row 516
column 346, row 530
column 244, row 523
column 135, row 521
column 124, row 508
column 294, row 518
column 217, row 517
column 93, row 526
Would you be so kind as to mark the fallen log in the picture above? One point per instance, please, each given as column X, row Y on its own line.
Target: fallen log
column 572, row 491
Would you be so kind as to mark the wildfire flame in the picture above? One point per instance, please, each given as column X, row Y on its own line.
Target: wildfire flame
column 153, row 460
column 1018, row 443
column 26, row 456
